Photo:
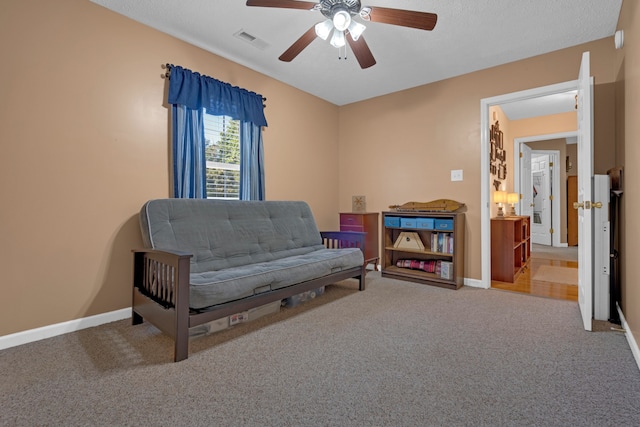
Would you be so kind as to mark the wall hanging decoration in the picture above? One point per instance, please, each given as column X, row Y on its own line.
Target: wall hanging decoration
column 359, row 203
column 497, row 155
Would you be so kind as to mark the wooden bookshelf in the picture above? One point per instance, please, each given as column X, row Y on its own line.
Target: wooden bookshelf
column 510, row 247
column 425, row 227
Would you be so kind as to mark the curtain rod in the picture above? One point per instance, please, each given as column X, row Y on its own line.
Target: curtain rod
column 167, row 75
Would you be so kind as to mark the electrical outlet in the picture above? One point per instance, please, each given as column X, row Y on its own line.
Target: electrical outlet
column 456, row 175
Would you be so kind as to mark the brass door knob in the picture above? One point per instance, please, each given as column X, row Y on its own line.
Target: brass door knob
column 577, row 205
column 596, row 204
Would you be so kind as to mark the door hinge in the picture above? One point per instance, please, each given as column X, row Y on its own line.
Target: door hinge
column 551, row 230
column 551, row 197
column 550, row 164
column 521, row 154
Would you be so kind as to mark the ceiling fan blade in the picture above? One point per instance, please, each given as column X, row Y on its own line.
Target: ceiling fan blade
column 285, row 4
column 404, row 18
column 361, row 51
column 299, row 45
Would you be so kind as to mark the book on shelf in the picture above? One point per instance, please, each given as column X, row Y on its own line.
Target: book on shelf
column 442, row 242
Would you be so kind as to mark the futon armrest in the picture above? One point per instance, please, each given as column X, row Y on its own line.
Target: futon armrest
column 162, row 276
column 343, row 239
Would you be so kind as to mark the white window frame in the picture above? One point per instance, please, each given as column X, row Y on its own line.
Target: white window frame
column 213, row 165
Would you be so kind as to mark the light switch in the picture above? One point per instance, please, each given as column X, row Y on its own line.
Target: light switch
column 456, row 175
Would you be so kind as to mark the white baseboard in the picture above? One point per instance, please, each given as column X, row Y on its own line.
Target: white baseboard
column 632, row 341
column 49, row 331
column 474, row 283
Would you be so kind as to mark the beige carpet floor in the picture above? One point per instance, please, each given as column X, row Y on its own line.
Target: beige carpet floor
column 552, row 273
column 397, row 354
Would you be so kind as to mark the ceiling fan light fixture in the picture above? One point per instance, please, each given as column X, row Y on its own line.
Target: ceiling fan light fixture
column 356, row 29
column 323, row 29
column 341, row 20
column 337, row 40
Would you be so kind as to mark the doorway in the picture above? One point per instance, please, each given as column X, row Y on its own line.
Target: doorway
column 561, row 147
column 485, row 173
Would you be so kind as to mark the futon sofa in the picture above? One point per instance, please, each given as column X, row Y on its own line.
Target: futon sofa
column 207, row 259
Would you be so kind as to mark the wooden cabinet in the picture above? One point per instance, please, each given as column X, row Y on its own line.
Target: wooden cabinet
column 424, row 247
column 510, row 247
column 364, row 222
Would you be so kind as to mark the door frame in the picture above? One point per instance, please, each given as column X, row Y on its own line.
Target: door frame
column 485, row 181
column 555, row 183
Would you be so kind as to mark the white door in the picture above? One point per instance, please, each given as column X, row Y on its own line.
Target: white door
column 541, row 187
column 526, row 187
column 584, row 100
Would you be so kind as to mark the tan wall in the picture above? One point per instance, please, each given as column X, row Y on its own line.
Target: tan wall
column 85, row 143
column 403, row 146
column 544, row 125
column 627, row 88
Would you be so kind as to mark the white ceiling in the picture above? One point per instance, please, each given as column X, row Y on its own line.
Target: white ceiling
column 533, row 107
column 470, row 35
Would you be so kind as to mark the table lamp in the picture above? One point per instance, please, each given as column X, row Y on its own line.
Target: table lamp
column 500, row 197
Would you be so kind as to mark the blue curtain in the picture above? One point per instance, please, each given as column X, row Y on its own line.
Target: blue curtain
column 251, row 162
column 189, row 164
column 190, row 93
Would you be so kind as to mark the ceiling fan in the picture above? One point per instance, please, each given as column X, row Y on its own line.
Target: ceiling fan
column 345, row 29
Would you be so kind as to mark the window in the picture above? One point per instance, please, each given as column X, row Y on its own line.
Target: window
column 222, row 153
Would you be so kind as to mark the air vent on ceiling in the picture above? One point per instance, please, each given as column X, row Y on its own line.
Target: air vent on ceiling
column 251, row 39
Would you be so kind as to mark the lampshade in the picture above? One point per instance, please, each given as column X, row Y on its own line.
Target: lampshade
column 500, row 196
column 337, row 40
column 513, row 198
column 356, row 29
column 323, row 29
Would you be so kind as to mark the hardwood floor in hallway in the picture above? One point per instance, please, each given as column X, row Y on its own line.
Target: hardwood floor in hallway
column 528, row 285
